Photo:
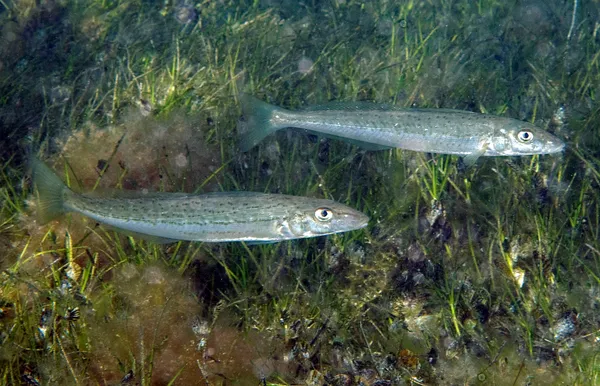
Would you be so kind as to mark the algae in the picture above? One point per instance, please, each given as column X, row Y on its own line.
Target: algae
column 474, row 275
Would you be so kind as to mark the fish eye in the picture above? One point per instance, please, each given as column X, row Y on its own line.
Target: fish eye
column 324, row 214
column 525, row 135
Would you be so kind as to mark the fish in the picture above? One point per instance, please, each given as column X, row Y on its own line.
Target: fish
column 213, row 217
column 377, row 127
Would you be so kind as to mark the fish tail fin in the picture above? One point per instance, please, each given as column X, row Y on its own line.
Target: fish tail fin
column 50, row 191
column 259, row 123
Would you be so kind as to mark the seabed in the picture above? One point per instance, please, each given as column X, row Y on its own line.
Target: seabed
column 465, row 275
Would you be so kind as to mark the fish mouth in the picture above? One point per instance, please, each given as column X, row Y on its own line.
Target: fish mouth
column 353, row 221
column 554, row 147
column 361, row 221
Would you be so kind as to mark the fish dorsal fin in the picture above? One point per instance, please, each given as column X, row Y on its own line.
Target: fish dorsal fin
column 353, row 106
column 240, row 193
column 369, row 106
column 447, row 111
column 129, row 194
column 124, row 194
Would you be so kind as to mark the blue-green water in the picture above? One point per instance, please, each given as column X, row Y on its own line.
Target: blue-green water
column 465, row 275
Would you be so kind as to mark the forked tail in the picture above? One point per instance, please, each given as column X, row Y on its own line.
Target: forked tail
column 50, row 191
column 259, row 122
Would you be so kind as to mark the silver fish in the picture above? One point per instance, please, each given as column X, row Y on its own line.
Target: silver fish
column 213, row 217
column 376, row 127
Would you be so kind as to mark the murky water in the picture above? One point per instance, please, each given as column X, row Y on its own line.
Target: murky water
column 483, row 274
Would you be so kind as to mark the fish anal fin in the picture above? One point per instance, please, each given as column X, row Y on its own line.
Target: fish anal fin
column 261, row 242
column 142, row 236
column 363, row 145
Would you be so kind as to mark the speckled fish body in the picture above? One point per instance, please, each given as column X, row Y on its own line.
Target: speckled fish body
column 425, row 130
column 215, row 217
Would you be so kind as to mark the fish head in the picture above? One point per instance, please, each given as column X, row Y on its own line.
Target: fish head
column 323, row 217
column 523, row 138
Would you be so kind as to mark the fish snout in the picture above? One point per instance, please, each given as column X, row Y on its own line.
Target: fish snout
column 556, row 146
column 355, row 220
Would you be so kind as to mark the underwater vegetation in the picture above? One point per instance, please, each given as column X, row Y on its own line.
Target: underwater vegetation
column 483, row 274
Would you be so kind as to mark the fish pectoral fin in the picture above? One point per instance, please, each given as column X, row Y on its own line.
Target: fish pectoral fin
column 470, row 159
